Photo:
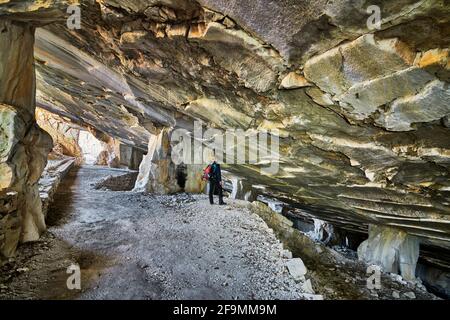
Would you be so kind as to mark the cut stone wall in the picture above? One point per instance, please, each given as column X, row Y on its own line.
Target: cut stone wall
column 52, row 176
column 362, row 114
column 9, row 225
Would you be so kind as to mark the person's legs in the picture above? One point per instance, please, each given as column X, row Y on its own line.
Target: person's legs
column 220, row 193
column 211, row 191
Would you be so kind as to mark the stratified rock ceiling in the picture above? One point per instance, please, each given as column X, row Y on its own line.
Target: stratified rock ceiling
column 363, row 115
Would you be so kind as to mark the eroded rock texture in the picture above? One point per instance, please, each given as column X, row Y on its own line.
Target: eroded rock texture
column 363, row 115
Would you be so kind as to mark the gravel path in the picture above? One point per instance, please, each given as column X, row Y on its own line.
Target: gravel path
column 136, row 246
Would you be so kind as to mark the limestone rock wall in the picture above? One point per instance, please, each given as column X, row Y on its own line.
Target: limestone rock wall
column 130, row 156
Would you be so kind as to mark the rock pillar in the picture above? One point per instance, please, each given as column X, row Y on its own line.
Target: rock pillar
column 392, row 249
column 242, row 190
column 23, row 145
column 157, row 172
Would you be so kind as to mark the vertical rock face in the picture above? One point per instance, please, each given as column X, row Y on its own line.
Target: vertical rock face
column 394, row 250
column 23, row 146
column 157, row 172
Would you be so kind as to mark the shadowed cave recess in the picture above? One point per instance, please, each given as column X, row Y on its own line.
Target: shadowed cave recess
column 99, row 124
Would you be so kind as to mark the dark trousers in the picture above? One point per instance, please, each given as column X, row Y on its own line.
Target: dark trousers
column 213, row 186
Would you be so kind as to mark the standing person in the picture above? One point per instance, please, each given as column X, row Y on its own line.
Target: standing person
column 215, row 182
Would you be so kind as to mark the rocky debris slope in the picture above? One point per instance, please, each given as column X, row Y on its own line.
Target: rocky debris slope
column 334, row 274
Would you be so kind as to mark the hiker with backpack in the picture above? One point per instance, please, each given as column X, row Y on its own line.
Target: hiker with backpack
column 213, row 174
